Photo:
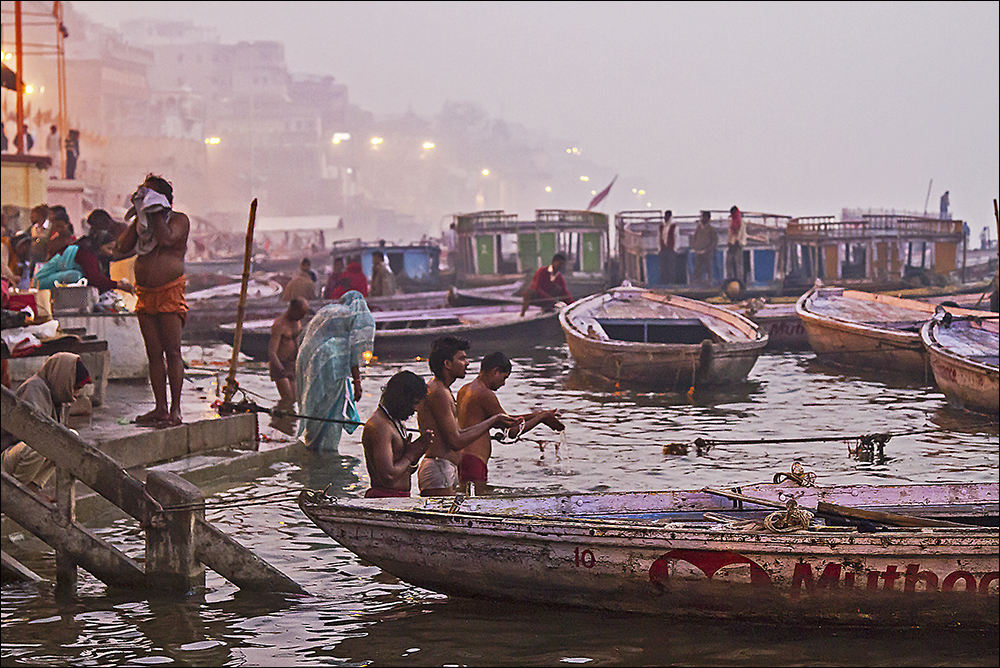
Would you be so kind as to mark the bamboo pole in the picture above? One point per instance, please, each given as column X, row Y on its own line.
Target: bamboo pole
column 231, row 385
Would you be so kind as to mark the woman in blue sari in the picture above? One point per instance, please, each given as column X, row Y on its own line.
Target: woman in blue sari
column 336, row 342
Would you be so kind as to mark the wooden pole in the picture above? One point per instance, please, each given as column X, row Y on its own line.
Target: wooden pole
column 231, row 385
column 19, row 79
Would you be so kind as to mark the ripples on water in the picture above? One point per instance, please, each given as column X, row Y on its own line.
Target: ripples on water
column 357, row 615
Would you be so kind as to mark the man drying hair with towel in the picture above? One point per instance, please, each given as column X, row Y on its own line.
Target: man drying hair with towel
column 158, row 235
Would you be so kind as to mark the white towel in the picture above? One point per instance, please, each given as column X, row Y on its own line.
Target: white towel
column 144, row 203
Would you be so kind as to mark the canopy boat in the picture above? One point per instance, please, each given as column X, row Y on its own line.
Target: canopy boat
column 660, row 341
column 964, row 354
column 493, row 247
column 408, row 334
column 867, row 330
column 707, row 553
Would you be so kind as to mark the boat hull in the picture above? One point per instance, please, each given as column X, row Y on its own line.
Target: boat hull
column 972, row 383
column 825, row 575
column 712, row 361
column 409, row 334
column 866, row 330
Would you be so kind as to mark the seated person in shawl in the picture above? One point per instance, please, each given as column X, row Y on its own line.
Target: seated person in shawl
column 95, row 251
column 548, row 286
column 390, row 456
column 58, row 382
column 437, row 474
column 158, row 236
column 337, row 341
column 478, row 401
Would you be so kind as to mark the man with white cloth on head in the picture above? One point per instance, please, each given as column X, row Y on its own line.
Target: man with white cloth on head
column 158, row 235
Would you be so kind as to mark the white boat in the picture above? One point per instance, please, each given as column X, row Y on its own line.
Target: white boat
column 660, row 340
column 964, row 354
column 709, row 553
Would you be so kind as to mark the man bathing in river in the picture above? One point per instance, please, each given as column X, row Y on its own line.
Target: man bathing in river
column 282, row 350
column 477, row 402
column 158, row 236
column 438, row 472
column 390, row 456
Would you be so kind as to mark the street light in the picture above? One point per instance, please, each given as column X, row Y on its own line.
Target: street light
column 376, row 142
column 428, row 145
column 486, row 172
column 212, row 141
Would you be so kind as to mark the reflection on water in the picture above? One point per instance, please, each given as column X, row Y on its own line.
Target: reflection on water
column 354, row 614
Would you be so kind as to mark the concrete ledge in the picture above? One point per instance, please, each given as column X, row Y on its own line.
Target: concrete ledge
column 159, row 445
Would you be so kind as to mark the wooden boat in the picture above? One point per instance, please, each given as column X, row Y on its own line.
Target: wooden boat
column 408, row 334
column 785, row 330
column 867, row 330
column 493, row 247
column 660, row 340
column 777, row 319
column 964, row 354
column 703, row 553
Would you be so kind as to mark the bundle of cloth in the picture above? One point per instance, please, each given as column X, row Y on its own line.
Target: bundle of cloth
column 144, row 203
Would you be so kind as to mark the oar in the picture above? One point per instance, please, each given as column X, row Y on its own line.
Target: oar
column 824, row 509
column 231, row 385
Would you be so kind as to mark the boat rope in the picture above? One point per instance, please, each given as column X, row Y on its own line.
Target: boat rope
column 235, row 502
column 250, row 406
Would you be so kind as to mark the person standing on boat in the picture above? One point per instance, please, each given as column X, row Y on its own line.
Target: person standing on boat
column 548, row 286
column 390, row 456
column 158, row 236
column 355, row 278
column 335, row 285
column 736, row 240
column 337, row 341
column 383, row 282
column 668, row 249
column 283, row 349
column 302, row 285
column 477, row 402
column 703, row 243
column 437, row 474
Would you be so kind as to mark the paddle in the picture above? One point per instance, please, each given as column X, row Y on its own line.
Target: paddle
column 824, row 509
column 231, row 384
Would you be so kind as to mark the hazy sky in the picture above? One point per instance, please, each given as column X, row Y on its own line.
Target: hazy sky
column 790, row 108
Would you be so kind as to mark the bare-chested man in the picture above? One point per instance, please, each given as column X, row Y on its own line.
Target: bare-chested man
column 478, row 401
column 390, row 456
column 438, row 471
column 283, row 349
column 158, row 236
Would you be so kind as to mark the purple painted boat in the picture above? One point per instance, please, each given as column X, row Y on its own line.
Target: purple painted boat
column 703, row 553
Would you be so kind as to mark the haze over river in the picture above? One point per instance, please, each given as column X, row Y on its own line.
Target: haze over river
column 357, row 615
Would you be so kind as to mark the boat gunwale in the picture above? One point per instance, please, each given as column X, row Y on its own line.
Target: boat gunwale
column 756, row 337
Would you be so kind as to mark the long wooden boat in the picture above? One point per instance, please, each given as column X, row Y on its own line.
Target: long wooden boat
column 703, row 553
column 660, row 340
column 785, row 330
column 964, row 354
column 408, row 334
column 866, row 330
column 212, row 307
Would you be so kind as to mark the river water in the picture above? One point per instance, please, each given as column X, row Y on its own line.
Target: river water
column 357, row 615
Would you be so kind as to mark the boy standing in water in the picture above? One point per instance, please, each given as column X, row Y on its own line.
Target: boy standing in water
column 438, row 472
column 477, row 402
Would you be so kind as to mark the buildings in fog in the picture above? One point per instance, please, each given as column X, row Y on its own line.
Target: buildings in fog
column 226, row 123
